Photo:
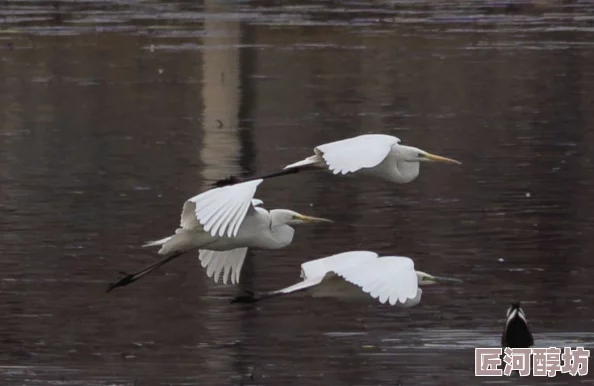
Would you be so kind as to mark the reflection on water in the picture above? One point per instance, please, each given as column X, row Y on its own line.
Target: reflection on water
column 113, row 113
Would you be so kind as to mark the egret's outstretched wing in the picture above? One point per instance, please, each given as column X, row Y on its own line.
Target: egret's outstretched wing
column 389, row 278
column 319, row 267
column 220, row 211
column 350, row 155
column 414, row 301
column 228, row 263
column 316, row 271
column 303, row 285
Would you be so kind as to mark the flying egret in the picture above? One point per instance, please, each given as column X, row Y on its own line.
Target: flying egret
column 223, row 223
column 378, row 155
column 516, row 333
column 358, row 275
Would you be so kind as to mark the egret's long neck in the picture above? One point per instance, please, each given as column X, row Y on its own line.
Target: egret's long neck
column 282, row 234
column 408, row 171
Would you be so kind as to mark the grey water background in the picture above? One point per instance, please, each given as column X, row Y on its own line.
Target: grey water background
column 114, row 112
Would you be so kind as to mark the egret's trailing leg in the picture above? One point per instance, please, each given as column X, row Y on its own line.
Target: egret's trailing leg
column 253, row 297
column 232, row 180
column 132, row 277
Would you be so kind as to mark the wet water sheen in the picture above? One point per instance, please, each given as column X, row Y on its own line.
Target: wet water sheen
column 114, row 112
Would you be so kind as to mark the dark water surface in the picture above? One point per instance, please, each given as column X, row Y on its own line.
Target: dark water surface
column 114, row 112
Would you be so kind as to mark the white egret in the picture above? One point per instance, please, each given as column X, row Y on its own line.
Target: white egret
column 358, row 275
column 378, row 155
column 516, row 333
column 223, row 223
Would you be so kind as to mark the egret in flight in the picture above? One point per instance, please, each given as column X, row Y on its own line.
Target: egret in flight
column 377, row 155
column 358, row 275
column 516, row 333
column 223, row 223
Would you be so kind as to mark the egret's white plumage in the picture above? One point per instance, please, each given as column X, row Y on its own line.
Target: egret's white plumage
column 223, row 223
column 229, row 263
column 360, row 275
column 220, row 211
column 378, row 155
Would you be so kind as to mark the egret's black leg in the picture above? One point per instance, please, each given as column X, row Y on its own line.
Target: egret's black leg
column 232, row 180
column 132, row 277
column 246, row 297
column 253, row 297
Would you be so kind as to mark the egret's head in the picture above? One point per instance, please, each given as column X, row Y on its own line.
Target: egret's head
column 426, row 279
column 288, row 217
column 413, row 154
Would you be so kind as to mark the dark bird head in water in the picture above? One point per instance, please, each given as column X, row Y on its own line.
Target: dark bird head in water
column 516, row 333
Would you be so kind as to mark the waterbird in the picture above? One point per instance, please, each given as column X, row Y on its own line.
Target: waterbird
column 357, row 276
column 223, row 223
column 516, row 333
column 378, row 155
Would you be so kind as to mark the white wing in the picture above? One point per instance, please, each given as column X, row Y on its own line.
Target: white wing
column 305, row 284
column 389, row 278
column 315, row 271
column 227, row 262
column 414, row 301
column 350, row 155
column 220, row 211
column 319, row 267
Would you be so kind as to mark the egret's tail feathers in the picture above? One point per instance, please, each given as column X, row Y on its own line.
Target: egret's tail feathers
column 181, row 241
column 156, row 242
column 309, row 161
column 229, row 263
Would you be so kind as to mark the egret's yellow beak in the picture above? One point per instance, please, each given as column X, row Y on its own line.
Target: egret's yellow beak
column 438, row 158
column 311, row 219
column 443, row 279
